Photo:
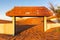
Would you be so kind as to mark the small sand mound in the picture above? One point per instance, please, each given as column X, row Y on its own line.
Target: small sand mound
column 33, row 33
column 5, row 37
column 52, row 36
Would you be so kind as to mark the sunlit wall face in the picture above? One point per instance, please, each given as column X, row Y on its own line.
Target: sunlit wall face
column 6, row 27
column 53, row 24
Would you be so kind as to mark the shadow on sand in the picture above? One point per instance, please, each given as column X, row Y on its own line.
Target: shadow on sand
column 20, row 28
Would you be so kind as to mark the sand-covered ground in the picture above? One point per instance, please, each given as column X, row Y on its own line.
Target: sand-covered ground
column 32, row 32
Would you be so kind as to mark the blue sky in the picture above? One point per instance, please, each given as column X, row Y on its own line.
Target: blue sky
column 6, row 5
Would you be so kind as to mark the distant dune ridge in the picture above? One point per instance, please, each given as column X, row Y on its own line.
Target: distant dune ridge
column 30, row 21
column 5, row 21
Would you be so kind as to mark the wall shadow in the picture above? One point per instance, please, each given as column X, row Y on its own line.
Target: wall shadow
column 20, row 28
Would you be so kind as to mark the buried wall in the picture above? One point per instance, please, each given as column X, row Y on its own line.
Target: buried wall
column 52, row 25
column 6, row 28
column 24, row 23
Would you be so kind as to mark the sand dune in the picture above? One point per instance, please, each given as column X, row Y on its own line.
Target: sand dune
column 32, row 21
column 34, row 32
column 5, row 21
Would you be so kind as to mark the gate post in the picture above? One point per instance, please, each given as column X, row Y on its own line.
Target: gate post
column 45, row 23
column 14, row 23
